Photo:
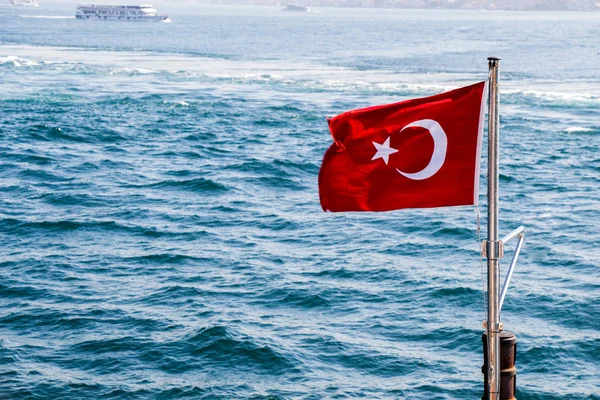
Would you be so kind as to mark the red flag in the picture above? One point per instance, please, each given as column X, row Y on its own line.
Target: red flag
column 418, row 153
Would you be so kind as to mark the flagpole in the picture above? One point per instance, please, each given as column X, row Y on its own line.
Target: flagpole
column 493, row 247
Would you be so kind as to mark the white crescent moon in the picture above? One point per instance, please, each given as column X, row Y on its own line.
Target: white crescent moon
column 440, row 146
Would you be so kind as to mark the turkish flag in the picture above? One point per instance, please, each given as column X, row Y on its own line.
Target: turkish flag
column 418, row 153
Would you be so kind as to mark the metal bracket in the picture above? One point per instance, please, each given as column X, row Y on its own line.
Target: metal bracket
column 499, row 245
column 500, row 326
column 494, row 249
column 511, row 269
column 517, row 232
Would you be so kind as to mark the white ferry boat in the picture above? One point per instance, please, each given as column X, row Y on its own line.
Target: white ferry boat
column 293, row 7
column 24, row 3
column 95, row 12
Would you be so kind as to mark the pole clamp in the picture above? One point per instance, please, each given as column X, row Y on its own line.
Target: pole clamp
column 492, row 250
column 493, row 327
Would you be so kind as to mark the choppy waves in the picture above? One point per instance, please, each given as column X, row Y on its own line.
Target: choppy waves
column 162, row 237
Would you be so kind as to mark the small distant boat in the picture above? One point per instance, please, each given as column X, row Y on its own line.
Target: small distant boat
column 293, row 7
column 24, row 3
column 95, row 12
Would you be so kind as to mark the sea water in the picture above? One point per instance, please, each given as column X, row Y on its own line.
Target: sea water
column 160, row 224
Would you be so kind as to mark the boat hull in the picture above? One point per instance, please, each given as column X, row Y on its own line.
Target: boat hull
column 157, row 18
column 25, row 4
column 100, row 12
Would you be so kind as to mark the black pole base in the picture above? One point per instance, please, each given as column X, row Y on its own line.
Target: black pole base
column 508, row 371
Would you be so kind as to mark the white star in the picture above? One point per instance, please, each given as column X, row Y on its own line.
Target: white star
column 383, row 151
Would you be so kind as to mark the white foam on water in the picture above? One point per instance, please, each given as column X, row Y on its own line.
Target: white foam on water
column 307, row 76
column 182, row 103
column 388, row 88
column 130, row 71
column 573, row 129
column 244, row 77
column 253, row 71
column 555, row 96
column 17, row 61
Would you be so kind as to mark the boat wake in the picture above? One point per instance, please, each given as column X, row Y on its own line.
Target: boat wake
column 48, row 16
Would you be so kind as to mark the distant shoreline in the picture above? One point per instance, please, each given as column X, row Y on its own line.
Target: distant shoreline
column 582, row 5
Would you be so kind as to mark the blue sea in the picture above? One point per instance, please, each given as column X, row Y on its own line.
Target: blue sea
column 160, row 228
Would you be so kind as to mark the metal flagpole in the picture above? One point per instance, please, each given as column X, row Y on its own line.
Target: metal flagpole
column 493, row 247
